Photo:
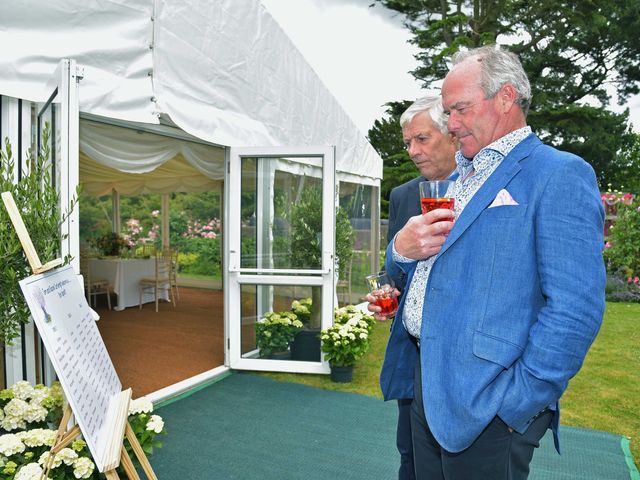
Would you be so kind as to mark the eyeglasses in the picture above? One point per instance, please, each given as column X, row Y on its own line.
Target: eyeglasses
column 420, row 139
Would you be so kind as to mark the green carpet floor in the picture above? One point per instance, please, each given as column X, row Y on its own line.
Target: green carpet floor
column 250, row 427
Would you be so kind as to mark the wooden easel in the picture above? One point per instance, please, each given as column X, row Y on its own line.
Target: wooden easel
column 116, row 452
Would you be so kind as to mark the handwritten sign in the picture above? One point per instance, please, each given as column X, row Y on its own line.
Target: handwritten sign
column 72, row 340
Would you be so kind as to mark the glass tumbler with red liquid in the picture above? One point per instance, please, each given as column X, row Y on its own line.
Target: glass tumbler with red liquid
column 382, row 288
column 436, row 194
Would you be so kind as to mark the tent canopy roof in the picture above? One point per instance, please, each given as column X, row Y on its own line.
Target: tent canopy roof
column 222, row 70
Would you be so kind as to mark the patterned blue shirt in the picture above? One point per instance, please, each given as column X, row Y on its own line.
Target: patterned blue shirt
column 473, row 173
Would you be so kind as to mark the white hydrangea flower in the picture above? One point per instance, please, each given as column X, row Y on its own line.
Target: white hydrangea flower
column 1, row 413
column 67, row 455
column 30, row 471
column 9, row 422
column 22, row 390
column 140, row 405
column 16, row 408
column 83, row 467
column 44, row 458
column 10, row 444
column 37, row 437
column 39, row 395
column 155, row 424
column 35, row 413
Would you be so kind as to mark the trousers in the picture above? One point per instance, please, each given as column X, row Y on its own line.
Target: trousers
column 497, row 454
column 403, row 440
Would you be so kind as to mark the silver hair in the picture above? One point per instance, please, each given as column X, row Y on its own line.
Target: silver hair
column 497, row 68
column 430, row 104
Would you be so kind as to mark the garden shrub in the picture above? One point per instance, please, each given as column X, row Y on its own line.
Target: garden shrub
column 622, row 254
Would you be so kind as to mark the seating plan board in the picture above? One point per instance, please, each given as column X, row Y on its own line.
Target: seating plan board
column 78, row 354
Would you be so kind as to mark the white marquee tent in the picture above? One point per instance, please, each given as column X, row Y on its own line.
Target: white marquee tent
column 221, row 70
column 168, row 87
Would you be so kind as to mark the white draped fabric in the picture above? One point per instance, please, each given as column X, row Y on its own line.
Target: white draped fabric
column 133, row 162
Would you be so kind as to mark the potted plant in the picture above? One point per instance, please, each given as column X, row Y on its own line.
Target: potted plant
column 306, row 251
column 306, row 343
column 274, row 333
column 346, row 341
column 111, row 244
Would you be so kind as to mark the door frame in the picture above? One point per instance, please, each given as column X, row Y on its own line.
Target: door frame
column 235, row 276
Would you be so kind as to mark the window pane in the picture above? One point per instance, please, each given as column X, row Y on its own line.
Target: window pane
column 281, row 217
column 270, row 328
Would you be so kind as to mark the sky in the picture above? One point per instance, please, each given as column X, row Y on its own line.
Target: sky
column 361, row 54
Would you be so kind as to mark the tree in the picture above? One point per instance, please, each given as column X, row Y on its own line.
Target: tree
column 575, row 54
column 625, row 168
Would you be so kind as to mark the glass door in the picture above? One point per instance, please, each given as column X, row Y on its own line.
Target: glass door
column 279, row 286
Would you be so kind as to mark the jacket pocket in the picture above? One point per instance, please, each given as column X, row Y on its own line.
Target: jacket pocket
column 496, row 350
column 505, row 211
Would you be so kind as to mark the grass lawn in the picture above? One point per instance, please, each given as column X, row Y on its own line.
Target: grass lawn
column 605, row 395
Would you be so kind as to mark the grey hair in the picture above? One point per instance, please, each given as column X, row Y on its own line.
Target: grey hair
column 497, row 68
column 430, row 104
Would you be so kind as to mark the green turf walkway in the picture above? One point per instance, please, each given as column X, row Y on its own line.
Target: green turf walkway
column 250, row 427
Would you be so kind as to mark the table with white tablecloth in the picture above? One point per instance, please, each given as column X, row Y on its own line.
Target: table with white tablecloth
column 124, row 276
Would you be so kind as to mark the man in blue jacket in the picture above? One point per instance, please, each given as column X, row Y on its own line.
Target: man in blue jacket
column 503, row 304
column 432, row 149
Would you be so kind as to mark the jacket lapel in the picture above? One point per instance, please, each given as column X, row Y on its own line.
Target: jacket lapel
column 507, row 169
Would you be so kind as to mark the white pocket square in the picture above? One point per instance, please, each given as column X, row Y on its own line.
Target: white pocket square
column 503, row 198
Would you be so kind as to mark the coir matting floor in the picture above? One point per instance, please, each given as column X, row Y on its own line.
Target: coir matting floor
column 249, row 427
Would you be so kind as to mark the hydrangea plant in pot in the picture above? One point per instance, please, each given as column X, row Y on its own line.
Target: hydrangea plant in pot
column 306, row 344
column 274, row 333
column 346, row 341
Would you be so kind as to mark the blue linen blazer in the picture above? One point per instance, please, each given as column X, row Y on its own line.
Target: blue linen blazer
column 513, row 302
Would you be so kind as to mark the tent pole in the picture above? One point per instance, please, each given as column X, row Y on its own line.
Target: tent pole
column 165, row 220
column 115, row 211
column 375, row 229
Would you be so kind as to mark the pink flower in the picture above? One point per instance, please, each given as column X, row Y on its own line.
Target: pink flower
column 607, row 245
column 155, row 213
column 636, row 279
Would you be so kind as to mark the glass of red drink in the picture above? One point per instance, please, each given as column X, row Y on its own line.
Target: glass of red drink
column 382, row 288
column 436, row 194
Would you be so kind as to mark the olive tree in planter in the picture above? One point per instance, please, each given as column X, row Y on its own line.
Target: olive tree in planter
column 39, row 204
column 306, row 252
